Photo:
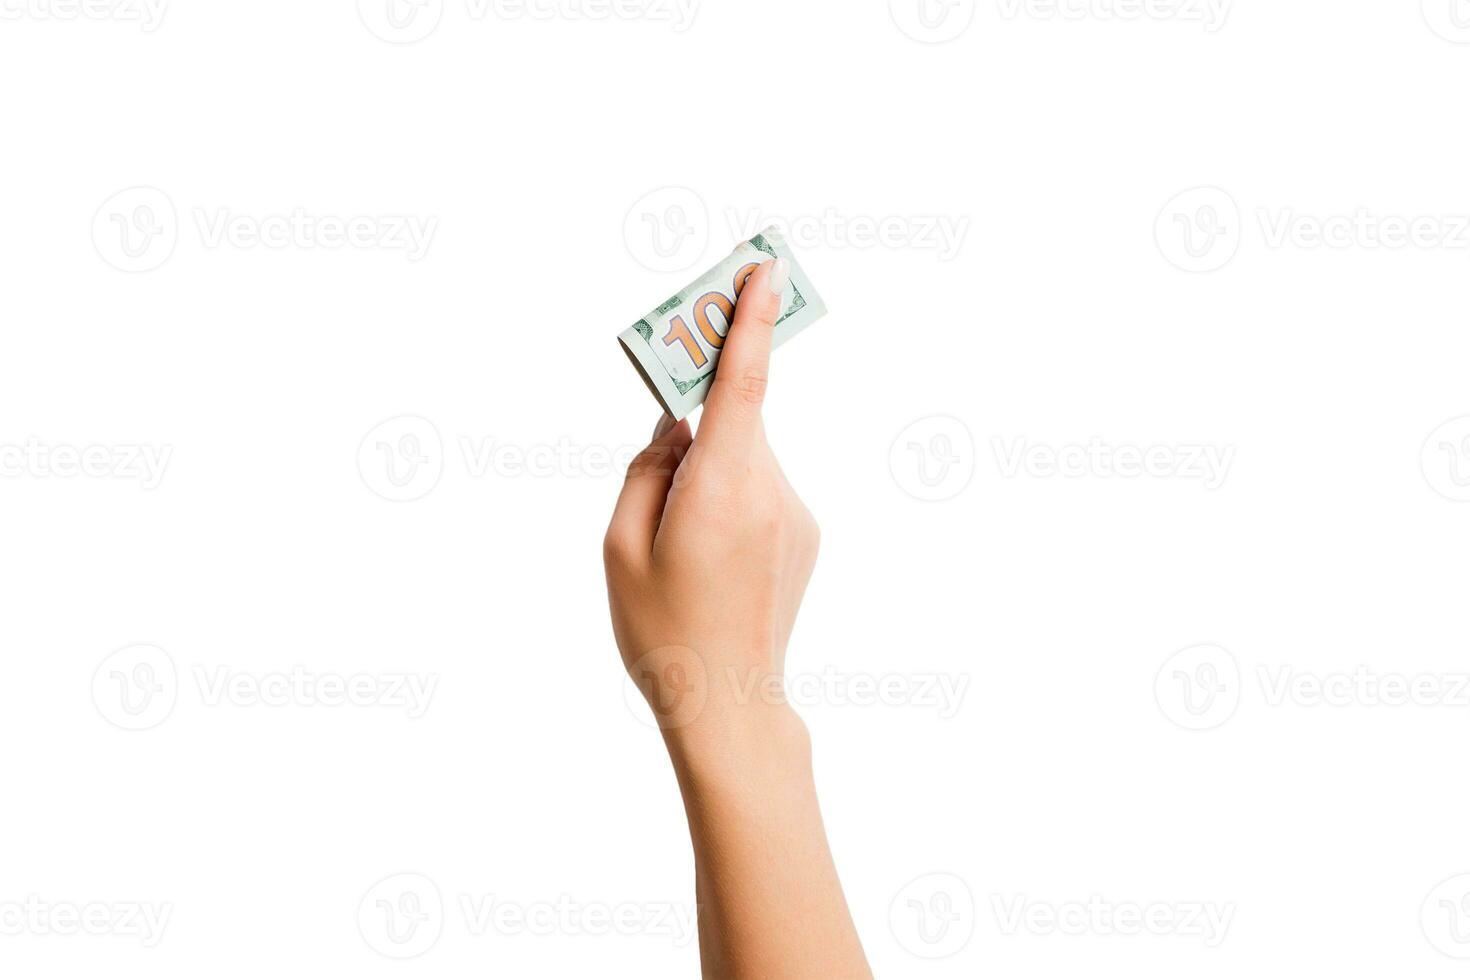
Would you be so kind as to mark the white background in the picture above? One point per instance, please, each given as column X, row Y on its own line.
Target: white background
column 1072, row 771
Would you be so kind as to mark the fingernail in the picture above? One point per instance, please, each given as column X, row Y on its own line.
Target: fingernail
column 780, row 276
column 665, row 423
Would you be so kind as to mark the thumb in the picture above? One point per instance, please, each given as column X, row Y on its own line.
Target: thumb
column 732, row 411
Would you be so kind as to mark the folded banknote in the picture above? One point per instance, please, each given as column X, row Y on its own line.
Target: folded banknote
column 676, row 348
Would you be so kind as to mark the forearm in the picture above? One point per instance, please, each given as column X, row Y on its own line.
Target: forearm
column 770, row 903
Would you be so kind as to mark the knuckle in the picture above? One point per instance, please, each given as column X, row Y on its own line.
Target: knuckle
column 650, row 461
column 715, row 503
column 617, row 548
column 767, row 520
column 750, row 388
column 759, row 307
column 811, row 532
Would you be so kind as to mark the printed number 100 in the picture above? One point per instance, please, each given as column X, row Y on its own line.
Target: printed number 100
column 679, row 332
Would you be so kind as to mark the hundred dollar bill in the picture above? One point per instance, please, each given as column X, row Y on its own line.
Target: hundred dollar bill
column 676, row 348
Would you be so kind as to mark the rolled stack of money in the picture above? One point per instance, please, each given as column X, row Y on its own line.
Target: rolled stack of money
column 676, row 348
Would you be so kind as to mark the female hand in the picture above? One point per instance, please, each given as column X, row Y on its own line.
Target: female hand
column 708, row 555
column 709, row 550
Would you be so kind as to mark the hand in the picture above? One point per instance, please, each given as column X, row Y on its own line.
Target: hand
column 708, row 555
column 709, row 550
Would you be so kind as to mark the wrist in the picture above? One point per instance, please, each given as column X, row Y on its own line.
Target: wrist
column 729, row 745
